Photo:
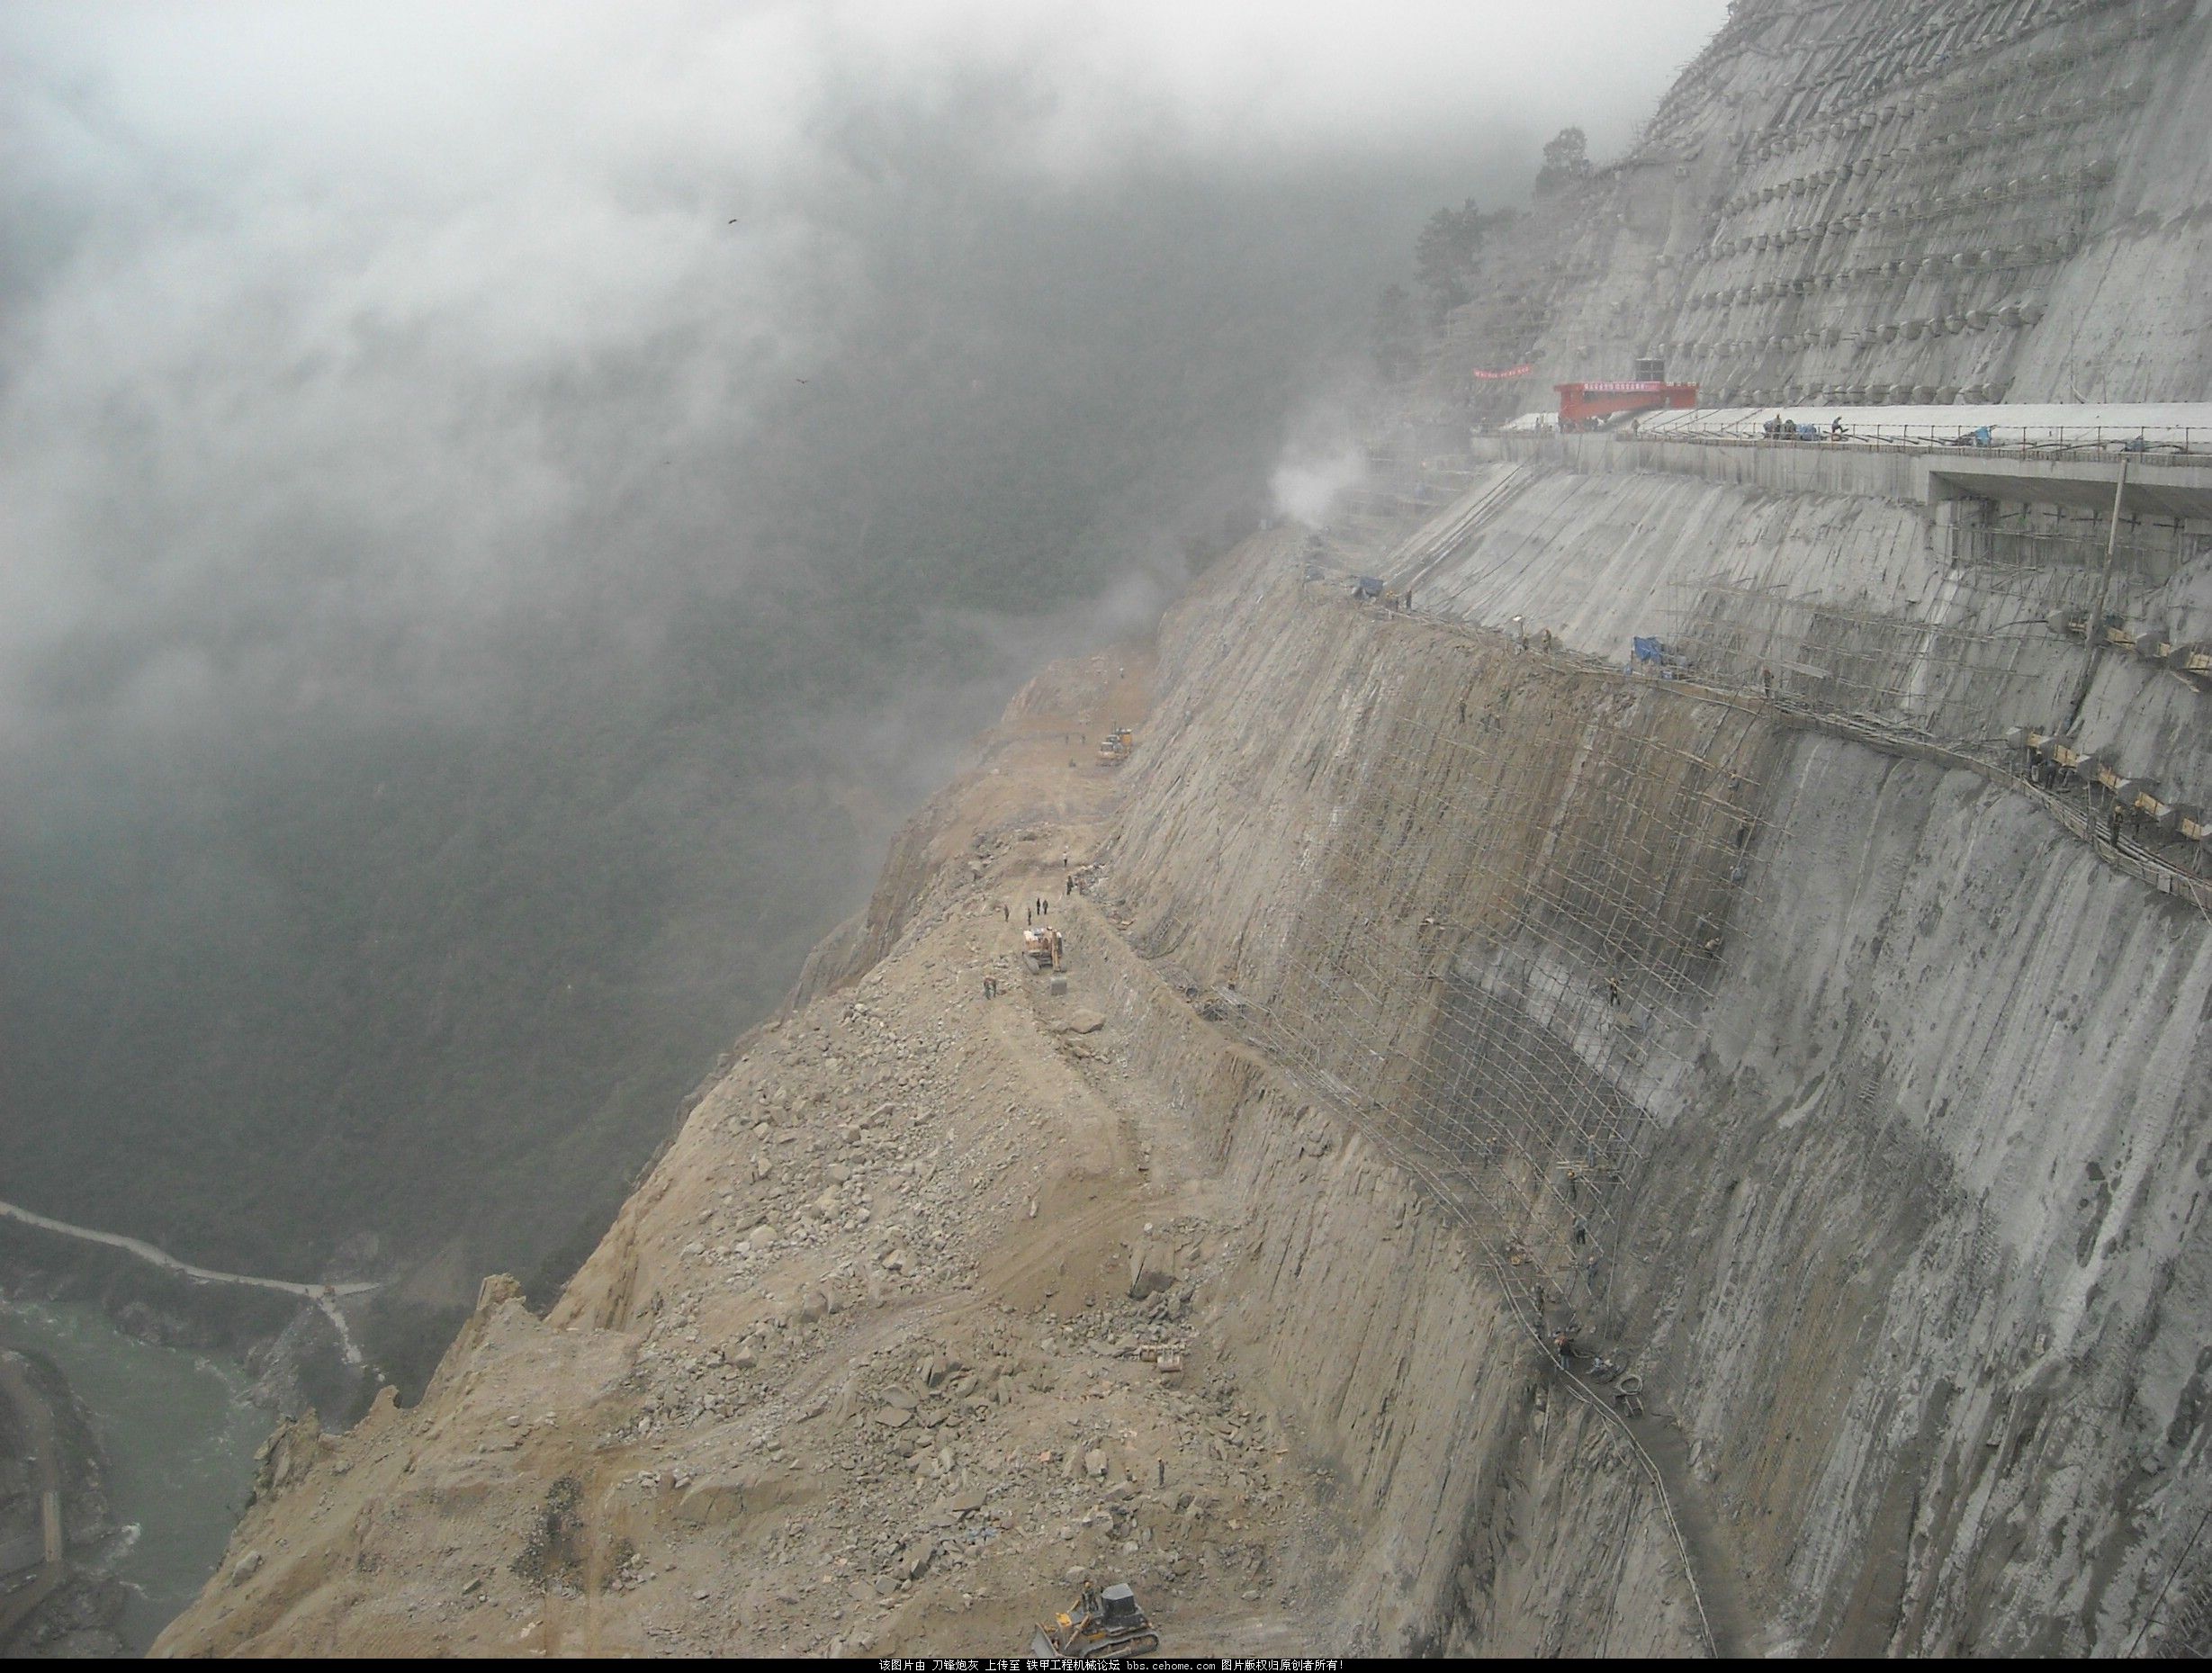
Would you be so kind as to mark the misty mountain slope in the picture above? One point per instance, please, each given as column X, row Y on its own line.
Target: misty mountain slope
column 443, row 747
column 898, row 1198
column 1716, row 1162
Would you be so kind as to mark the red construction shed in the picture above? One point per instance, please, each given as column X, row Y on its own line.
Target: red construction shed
column 1581, row 403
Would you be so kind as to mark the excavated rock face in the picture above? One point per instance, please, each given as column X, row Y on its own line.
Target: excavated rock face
column 1893, row 1201
column 1893, row 202
column 1410, row 1057
column 1526, row 1155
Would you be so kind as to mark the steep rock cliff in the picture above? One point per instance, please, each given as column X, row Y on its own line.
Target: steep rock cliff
column 1898, row 1208
column 1457, row 998
column 1891, row 201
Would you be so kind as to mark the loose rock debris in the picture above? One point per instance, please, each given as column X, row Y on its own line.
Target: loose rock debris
column 908, row 1332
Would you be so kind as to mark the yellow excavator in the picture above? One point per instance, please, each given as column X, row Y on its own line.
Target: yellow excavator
column 1102, row 1626
column 1114, row 747
column 1043, row 948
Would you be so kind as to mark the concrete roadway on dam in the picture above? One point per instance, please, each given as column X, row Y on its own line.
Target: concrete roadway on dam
column 2166, row 429
column 324, row 1296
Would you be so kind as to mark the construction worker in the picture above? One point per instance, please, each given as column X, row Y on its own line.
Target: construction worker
column 1613, row 992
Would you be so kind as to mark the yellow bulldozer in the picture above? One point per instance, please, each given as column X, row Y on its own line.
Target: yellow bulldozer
column 1114, row 747
column 1102, row 1626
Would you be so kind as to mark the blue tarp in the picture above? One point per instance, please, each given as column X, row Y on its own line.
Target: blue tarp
column 1367, row 587
column 1648, row 650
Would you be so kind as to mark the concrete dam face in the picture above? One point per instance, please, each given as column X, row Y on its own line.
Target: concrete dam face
column 1637, row 1085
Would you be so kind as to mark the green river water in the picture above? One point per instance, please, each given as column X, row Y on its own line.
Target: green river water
column 179, row 1438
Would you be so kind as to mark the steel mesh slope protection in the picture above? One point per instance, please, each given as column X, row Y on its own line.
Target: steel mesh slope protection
column 1493, row 901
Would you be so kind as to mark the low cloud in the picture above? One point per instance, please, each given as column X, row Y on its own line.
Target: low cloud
column 1321, row 461
column 522, row 496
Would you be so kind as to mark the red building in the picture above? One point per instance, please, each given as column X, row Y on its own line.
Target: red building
column 1579, row 403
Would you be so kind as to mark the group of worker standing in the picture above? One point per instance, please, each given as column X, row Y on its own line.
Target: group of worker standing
column 1038, row 909
column 1779, row 428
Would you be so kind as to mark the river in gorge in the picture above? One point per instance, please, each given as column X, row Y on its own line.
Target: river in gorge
column 179, row 1438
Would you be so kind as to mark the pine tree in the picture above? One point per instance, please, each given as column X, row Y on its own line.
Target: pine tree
column 1566, row 160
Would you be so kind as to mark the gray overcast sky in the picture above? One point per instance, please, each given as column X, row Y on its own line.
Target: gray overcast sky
column 224, row 213
column 306, row 86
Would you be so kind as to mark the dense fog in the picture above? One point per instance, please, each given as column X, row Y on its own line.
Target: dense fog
column 504, row 507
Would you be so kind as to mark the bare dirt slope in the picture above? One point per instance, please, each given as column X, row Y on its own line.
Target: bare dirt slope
column 882, row 1358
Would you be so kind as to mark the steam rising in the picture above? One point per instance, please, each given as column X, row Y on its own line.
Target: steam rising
column 1318, row 465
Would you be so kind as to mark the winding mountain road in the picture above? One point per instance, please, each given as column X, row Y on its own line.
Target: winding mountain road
column 324, row 1296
